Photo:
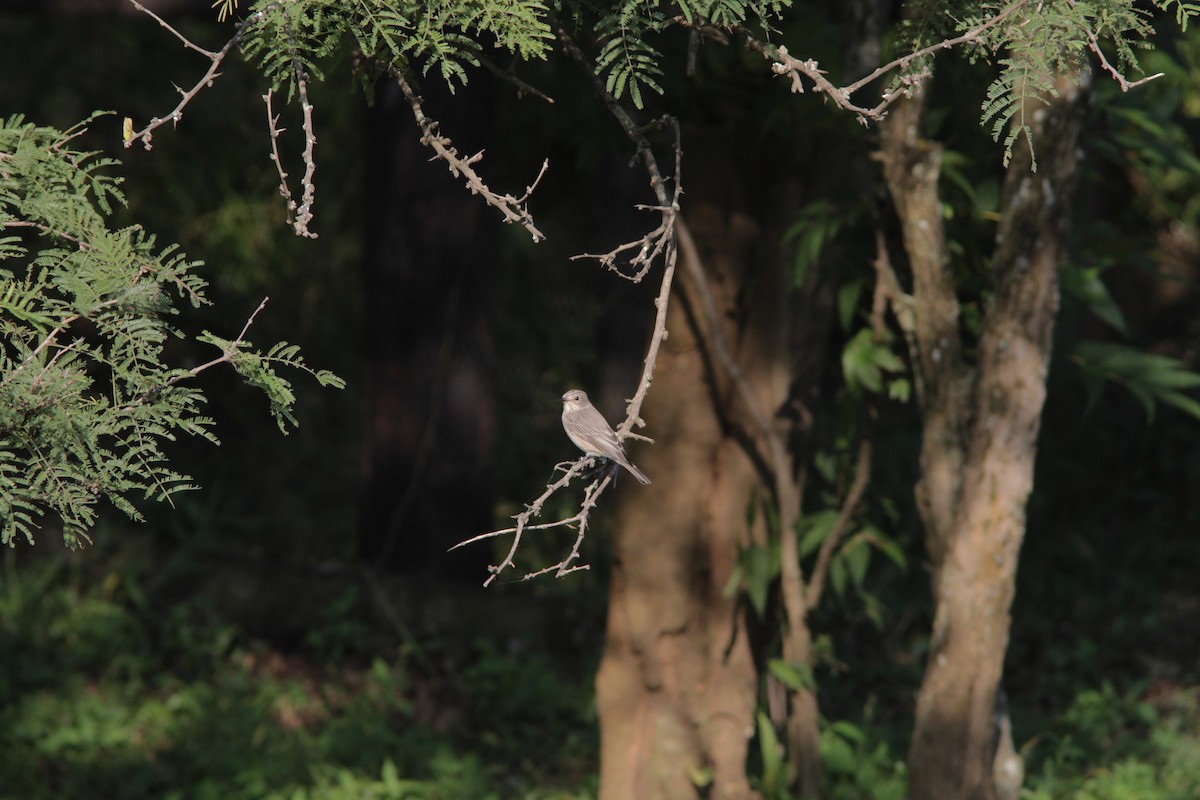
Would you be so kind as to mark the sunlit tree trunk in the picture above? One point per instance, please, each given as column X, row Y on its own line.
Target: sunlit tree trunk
column 980, row 427
column 677, row 687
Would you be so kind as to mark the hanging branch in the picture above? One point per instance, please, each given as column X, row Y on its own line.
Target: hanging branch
column 302, row 215
column 513, row 208
column 662, row 242
column 298, row 215
column 658, row 241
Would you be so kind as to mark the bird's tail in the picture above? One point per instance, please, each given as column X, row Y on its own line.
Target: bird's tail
column 637, row 473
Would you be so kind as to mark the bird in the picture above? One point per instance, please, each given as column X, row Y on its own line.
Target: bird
column 592, row 434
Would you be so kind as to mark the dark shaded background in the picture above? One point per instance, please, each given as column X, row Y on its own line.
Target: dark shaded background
column 298, row 621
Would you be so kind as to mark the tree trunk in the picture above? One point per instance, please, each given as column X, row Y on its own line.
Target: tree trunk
column 677, row 687
column 976, row 520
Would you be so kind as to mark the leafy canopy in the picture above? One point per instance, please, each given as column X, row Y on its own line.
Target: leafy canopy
column 87, row 399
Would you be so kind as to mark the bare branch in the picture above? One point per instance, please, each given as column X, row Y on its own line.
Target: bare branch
column 661, row 240
column 513, row 208
column 215, row 58
column 591, row 495
column 794, row 68
column 304, row 213
column 274, row 129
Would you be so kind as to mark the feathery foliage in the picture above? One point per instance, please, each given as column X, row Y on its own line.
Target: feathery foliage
column 1056, row 37
column 87, row 401
column 629, row 63
column 289, row 39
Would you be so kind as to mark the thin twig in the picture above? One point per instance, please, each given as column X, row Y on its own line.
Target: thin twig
column 228, row 353
column 523, row 88
column 215, row 58
column 862, row 475
column 513, row 208
column 591, row 495
column 662, row 240
column 304, row 213
column 274, row 130
column 564, row 567
column 1121, row 80
column 785, row 64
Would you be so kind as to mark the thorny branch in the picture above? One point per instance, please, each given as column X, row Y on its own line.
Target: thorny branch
column 660, row 241
column 299, row 215
column 513, row 208
column 215, row 57
column 785, row 64
column 562, row 568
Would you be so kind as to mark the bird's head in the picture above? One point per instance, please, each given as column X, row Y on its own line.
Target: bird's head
column 574, row 399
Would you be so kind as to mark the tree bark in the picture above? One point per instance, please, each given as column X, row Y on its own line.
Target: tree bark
column 676, row 688
column 976, row 517
column 678, row 685
column 912, row 166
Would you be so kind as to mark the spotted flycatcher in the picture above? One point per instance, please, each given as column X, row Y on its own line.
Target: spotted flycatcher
column 592, row 434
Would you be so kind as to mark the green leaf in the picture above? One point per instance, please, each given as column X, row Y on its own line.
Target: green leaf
column 848, row 731
column 814, row 529
column 857, row 556
column 837, row 755
column 1086, row 286
column 757, row 576
column 772, row 755
column 864, row 361
column 797, row 677
column 1149, row 377
column 847, row 301
column 88, row 404
column 837, row 576
column 899, row 389
column 881, row 542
